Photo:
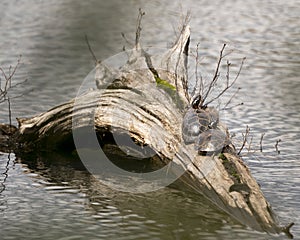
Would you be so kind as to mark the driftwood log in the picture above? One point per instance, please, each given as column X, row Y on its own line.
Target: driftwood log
column 130, row 104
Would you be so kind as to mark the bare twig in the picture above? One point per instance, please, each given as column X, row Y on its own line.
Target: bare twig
column 245, row 137
column 11, row 98
column 126, row 39
column 229, row 85
column 228, row 72
column 229, row 101
column 9, row 111
column 276, row 145
column 90, row 49
column 260, row 143
column 215, row 77
column 206, row 90
column 4, row 88
column 228, row 108
column 4, row 92
column 7, row 84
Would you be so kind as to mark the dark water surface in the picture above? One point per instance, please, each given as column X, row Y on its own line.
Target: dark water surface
column 54, row 198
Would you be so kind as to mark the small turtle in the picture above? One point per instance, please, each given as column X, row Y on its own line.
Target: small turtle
column 211, row 142
column 197, row 120
column 194, row 123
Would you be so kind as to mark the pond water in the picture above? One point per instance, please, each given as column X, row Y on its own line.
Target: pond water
column 53, row 197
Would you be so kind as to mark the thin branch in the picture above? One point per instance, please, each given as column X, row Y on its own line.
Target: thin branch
column 4, row 88
column 9, row 111
column 276, row 145
column 90, row 49
column 11, row 74
column 3, row 73
column 126, row 39
column 19, row 83
column 215, row 78
column 245, row 137
column 8, row 77
column 14, row 97
column 228, row 108
column 228, row 86
column 4, row 93
column 229, row 101
column 260, row 143
column 228, row 72
column 240, row 69
column 8, row 86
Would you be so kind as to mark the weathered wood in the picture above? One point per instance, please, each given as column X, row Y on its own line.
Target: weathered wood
column 133, row 104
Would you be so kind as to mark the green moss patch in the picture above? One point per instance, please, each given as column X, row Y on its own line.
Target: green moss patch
column 164, row 84
column 230, row 168
column 170, row 90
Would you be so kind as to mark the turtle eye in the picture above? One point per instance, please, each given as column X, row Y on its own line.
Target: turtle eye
column 195, row 105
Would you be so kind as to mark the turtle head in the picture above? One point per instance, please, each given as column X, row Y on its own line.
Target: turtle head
column 196, row 101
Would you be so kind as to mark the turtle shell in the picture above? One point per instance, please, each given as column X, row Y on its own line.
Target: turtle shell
column 213, row 114
column 194, row 123
column 204, row 119
column 211, row 141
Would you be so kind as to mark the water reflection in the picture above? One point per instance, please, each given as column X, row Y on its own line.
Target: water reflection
column 164, row 214
column 77, row 205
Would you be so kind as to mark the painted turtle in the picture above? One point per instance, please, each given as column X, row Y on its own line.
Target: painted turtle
column 199, row 127
column 211, row 142
column 194, row 123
